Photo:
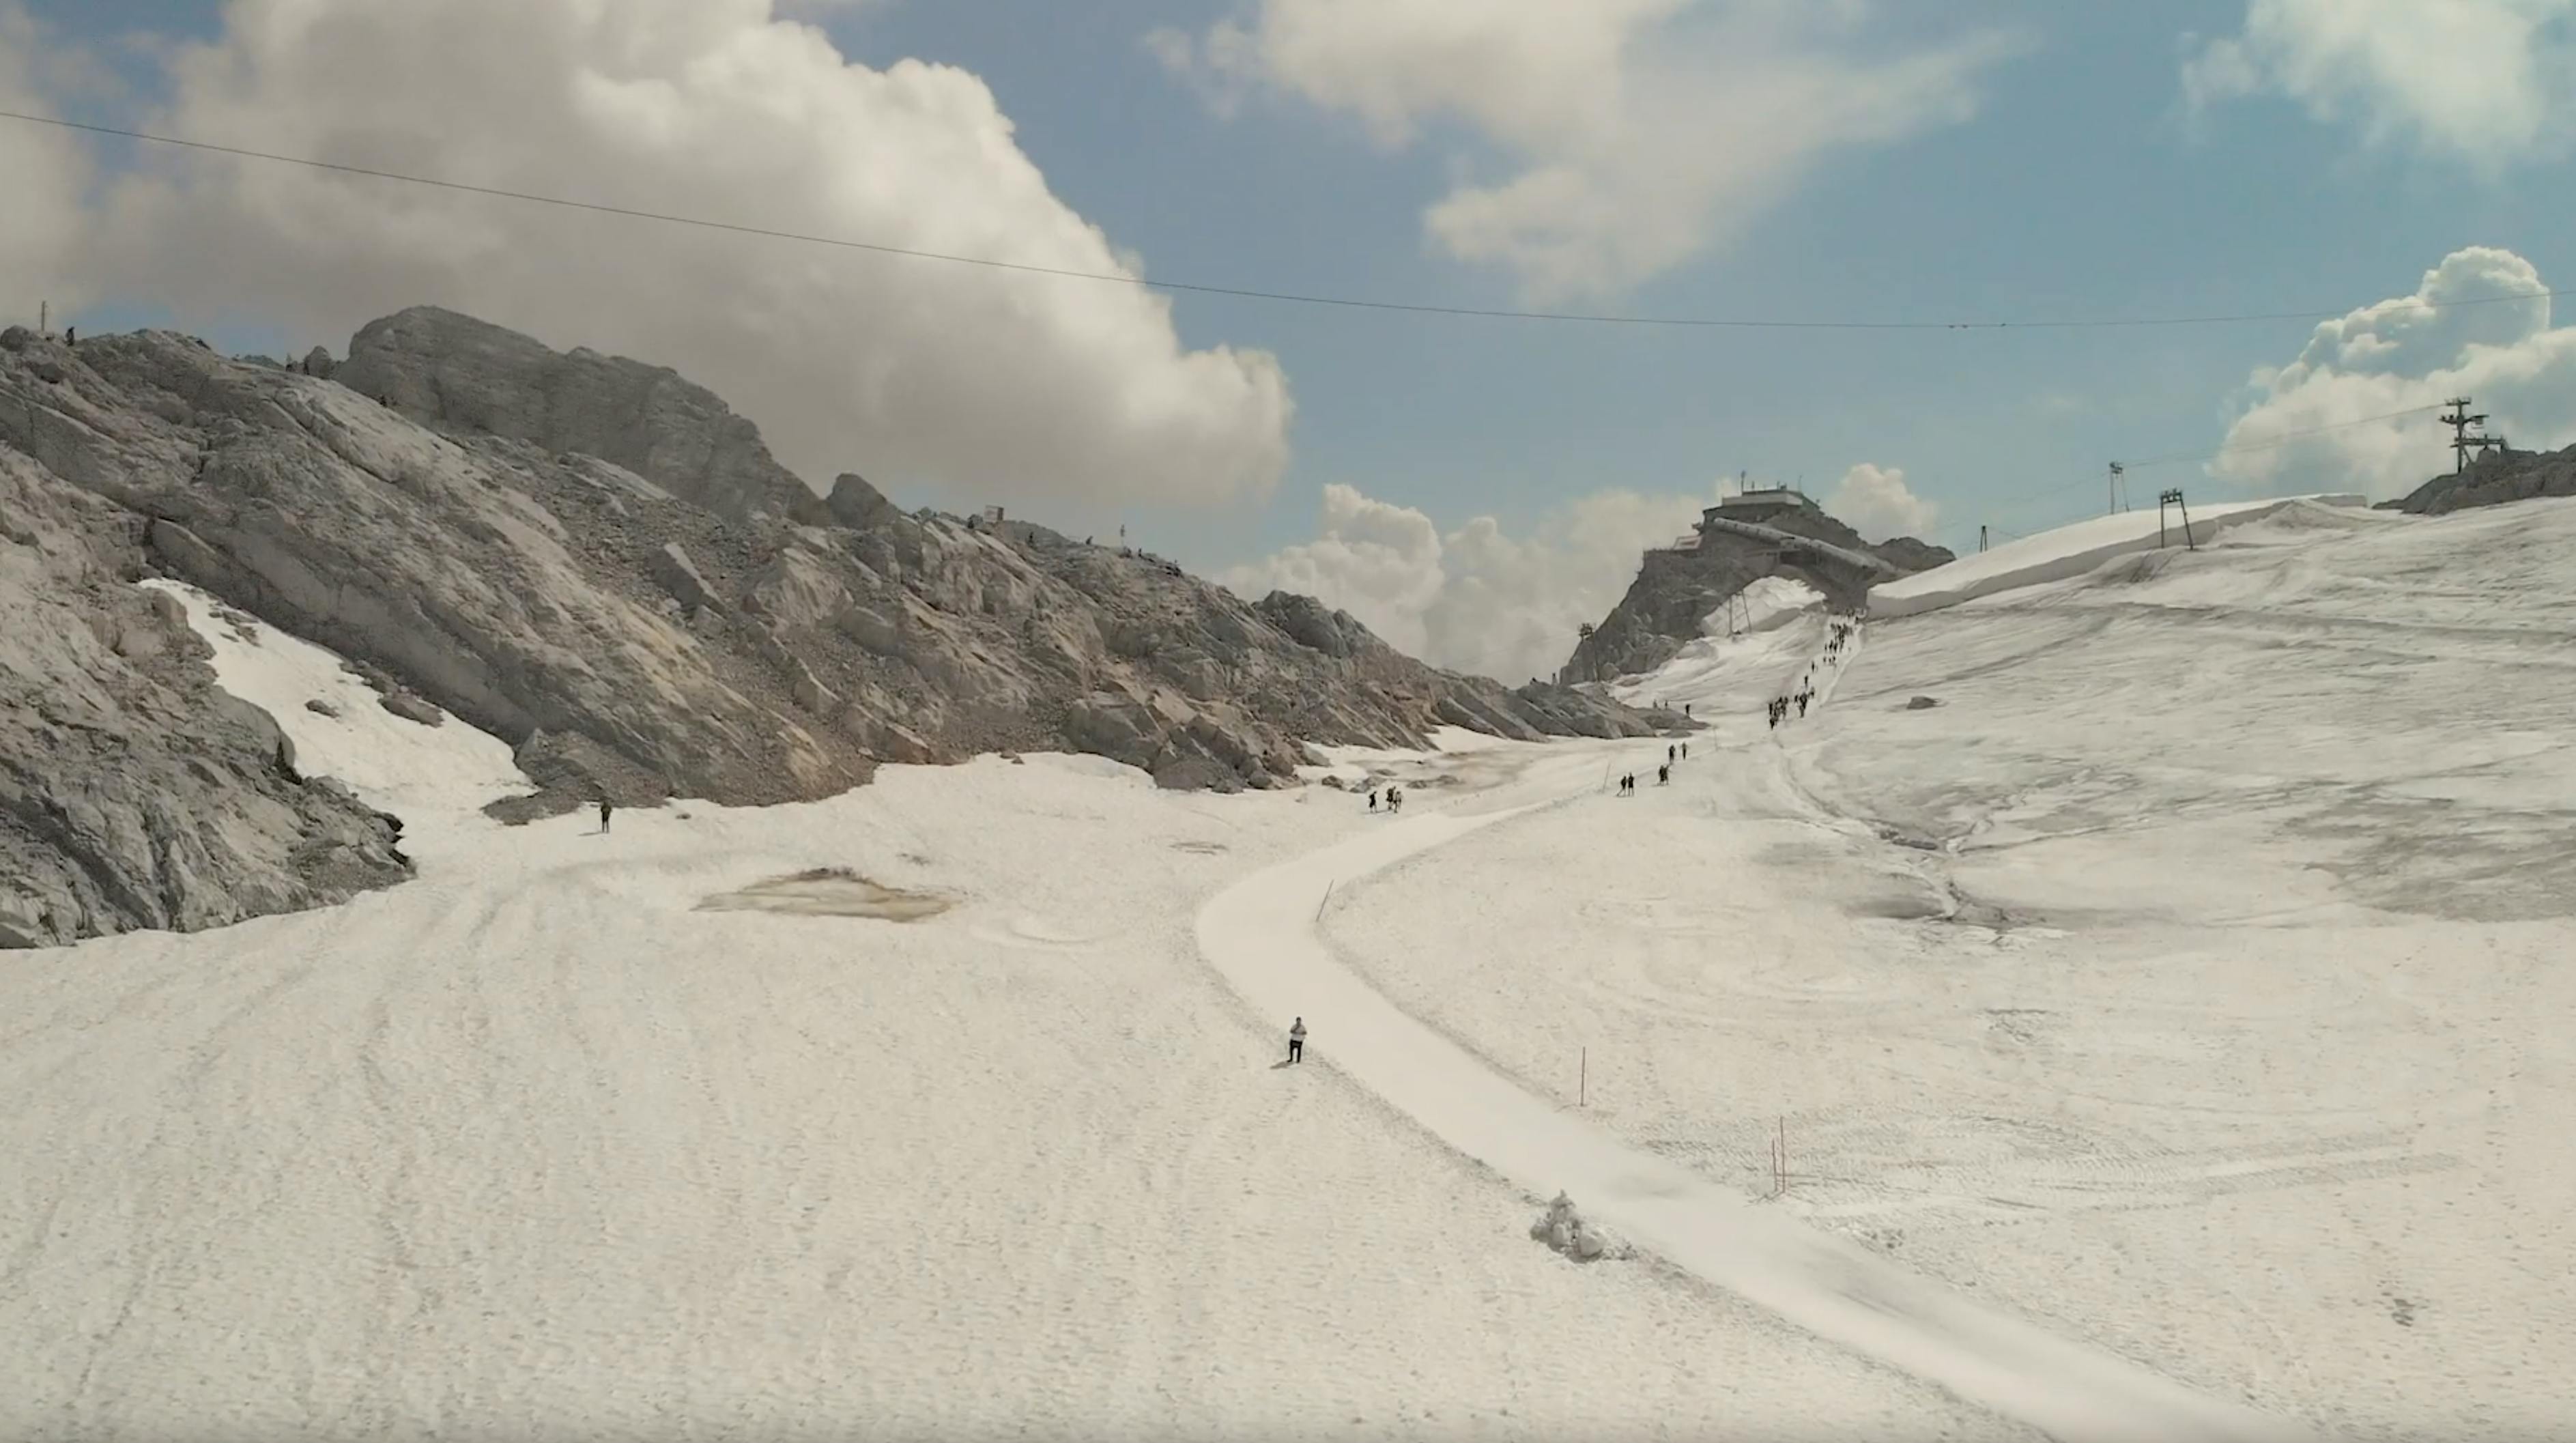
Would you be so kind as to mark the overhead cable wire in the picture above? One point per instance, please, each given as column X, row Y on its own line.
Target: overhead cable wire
column 1239, row 292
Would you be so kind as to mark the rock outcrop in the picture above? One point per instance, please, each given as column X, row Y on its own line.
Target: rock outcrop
column 1676, row 591
column 462, row 375
column 133, row 792
column 2492, row 480
column 600, row 563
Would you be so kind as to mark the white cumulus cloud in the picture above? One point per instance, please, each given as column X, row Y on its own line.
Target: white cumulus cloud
column 2292, row 422
column 1475, row 599
column 1637, row 132
column 1876, row 502
column 986, row 384
column 2485, row 81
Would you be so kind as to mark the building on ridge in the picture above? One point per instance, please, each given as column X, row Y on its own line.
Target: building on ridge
column 1760, row 503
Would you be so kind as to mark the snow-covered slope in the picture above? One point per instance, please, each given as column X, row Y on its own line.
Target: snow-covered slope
column 2185, row 992
column 439, row 775
column 2191, row 977
column 2070, row 551
column 533, row 1147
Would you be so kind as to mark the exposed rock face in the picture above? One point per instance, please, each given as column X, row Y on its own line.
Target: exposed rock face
column 463, row 375
column 2492, row 480
column 1675, row 591
column 133, row 792
column 667, row 612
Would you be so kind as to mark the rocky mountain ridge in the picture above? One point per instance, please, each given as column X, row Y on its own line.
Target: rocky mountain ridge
column 2493, row 479
column 599, row 562
column 1678, row 589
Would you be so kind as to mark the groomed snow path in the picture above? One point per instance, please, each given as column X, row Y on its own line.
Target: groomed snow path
column 1260, row 934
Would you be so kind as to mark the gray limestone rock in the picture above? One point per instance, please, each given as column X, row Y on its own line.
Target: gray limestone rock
column 133, row 792
column 501, row 541
column 2494, row 479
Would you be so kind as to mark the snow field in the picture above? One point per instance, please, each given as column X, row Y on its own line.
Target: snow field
column 1258, row 935
column 2191, row 981
column 531, row 1148
column 2069, row 551
column 436, row 777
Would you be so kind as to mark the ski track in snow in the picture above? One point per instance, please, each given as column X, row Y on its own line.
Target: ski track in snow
column 529, row 1148
column 1261, row 934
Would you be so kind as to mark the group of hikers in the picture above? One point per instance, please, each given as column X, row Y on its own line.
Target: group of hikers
column 1843, row 629
column 1838, row 638
column 1674, row 755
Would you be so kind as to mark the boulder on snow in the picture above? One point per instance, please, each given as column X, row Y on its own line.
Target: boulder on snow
column 1567, row 1231
column 1922, row 703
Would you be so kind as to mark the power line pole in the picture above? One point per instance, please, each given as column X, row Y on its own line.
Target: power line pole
column 2462, row 443
column 1981, row 538
column 2119, row 485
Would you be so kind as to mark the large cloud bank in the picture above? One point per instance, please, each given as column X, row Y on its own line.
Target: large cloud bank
column 1636, row 132
column 2409, row 351
column 985, row 384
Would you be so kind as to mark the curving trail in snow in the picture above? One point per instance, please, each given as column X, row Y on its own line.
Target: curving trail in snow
column 1260, row 935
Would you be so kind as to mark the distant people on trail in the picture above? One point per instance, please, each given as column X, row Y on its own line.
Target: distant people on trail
column 1671, row 752
column 1686, row 706
column 603, row 814
column 1394, row 800
column 71, row 335
column 1686, row 751
column 1664, row 774
column 1802, row 706
column 1372, row 799
column 1297, row 1040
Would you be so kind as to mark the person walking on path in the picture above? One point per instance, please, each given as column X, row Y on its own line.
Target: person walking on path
column 603, row 813
column 1664, row 774
column 1297, row 1040
column 1372, row 799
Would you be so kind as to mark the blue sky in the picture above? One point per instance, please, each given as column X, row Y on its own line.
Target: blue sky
column 2079, row 187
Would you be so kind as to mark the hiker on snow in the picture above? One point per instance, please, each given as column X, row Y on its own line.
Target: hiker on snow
column 1394, row 800
column 603, row 814
column 1297, row 1040
column 1372, row 799
column 1664, row 774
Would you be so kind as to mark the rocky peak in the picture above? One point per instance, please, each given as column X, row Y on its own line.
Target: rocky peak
column 1676, row 590
column 460, row 374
